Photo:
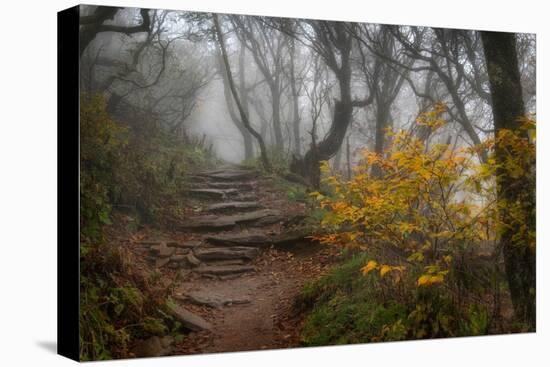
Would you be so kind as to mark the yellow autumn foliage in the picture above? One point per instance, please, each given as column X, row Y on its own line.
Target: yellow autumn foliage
column 424, row 201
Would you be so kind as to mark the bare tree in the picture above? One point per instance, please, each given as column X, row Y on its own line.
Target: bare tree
column 242, row 112
column 93, row 24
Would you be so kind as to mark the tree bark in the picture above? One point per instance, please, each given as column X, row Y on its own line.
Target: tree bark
column 242, row 112
column 508, row 106
column 247, row 137
column 93, row 24
column 331, row 35
column 295, row 107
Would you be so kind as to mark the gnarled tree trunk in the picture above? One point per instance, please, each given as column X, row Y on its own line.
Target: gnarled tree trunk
column 508, row 106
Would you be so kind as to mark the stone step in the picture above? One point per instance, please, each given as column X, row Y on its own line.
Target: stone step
column 214, row 194
column 201, row 299
column 188, row 319
column 257, row 239
column 226, row 253
column 240, row 239
column 241, row 206
column 240, row 186
column 225, row 262
column 229, row 175
column 217, row 223
column 224, row 270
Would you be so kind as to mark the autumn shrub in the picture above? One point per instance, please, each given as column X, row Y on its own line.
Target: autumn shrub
column 124, row 163
column 101, row 141
column 152, row 173
column 117, row 304
column 425, row 217
column 134, row 165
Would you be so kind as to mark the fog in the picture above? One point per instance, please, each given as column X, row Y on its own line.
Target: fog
column 297, row 81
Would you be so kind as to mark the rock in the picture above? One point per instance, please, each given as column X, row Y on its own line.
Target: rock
column 257, row 239
column 230, row 175
column 225, row 262
column 185, row 245
column 244, row 239
column 224, row 253
column 214, row 302
column 178, row 257
column 153, row 347
column 218, row 194
column 229, row 276
column 162, row 250
column 240, row 186
column 173, row 265
column 181, row 251
column 161, row 261
column 156, row 242
column 268, row 220
column 189, row 320
column 209, row 223
column 233, row 206
column 293, row 236
column 295, row 220
column 213, row 222
column 166, row 341
column 224, row 270
column 192, row 260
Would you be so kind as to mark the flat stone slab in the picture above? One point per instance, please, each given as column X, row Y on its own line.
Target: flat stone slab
column 225, row 262
column 240, row 239
column 154, row 346
column 224, row 270
column 162, row 250
column 293, row 236
column 259, row 239
column 160, row 262
column 266, row 221
column 240, row 186
column 226, row 253
column 192, row 260
column 230, row 175
column 216, row 194
column 233, row 206
column 214, row 222
column 178, row 258
column 185, row 245
column 157, row 242
column 188, row 319
column 212, row 301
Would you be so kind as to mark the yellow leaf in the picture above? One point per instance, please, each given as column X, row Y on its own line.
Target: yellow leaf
column 427, row 279
column 371, row 265
column 384, row 269
column 424, row 280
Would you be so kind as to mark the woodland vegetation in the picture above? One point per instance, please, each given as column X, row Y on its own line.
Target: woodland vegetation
column 412, row 150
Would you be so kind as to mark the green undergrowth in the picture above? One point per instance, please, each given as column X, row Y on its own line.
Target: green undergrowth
column 138, row 171
column 346, row 307
column 119, row 305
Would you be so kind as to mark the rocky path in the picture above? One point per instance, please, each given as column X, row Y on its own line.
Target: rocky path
column 241, row 265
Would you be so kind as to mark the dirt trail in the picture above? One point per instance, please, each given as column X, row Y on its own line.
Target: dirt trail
column 241, row 262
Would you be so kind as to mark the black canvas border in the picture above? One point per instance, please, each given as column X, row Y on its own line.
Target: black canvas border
column 68, row 193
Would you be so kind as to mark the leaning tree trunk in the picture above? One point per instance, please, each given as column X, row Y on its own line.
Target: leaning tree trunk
column 508, row 106
column 242, row 112
column 308, row 166
column 277, row 125
column 295, row 106
column 247, row 138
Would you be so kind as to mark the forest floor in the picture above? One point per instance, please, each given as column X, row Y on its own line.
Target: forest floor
column 234, row 263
